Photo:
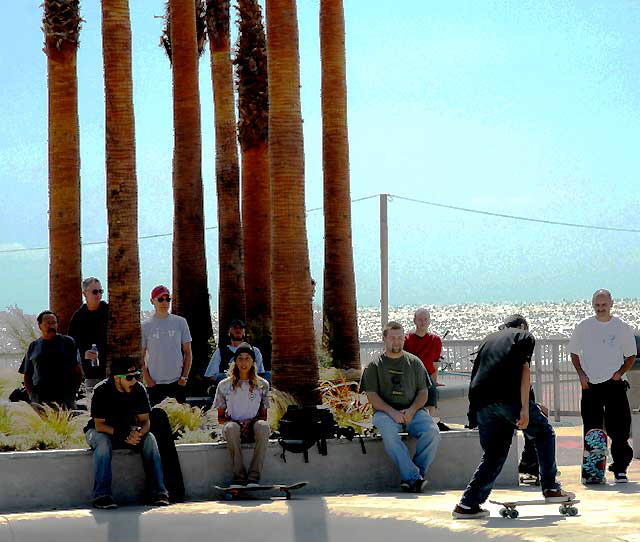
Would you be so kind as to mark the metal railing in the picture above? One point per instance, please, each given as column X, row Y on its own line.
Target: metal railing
column 553, row 377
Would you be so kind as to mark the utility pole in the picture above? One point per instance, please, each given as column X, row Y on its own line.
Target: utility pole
column 384, row 262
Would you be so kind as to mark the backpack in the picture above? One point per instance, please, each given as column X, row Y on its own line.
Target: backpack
column 303, row 426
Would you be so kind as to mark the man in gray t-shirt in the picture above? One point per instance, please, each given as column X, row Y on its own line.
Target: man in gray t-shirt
column 166, row 350
column 396, row 387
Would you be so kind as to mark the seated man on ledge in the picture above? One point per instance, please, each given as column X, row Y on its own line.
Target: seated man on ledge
column 120, row 419
column 396, row 386
column 242, row 401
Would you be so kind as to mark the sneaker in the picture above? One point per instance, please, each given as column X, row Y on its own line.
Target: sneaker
column 621, row 477
column 443, row 426
column 253, row 483
column 558, row 495
column 474, row 512
column 160, row 500
column 406, row 485
column 238, row 482
column 418, row 485
column 105, row 503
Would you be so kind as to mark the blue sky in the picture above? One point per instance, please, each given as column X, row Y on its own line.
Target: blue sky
column 527, row 108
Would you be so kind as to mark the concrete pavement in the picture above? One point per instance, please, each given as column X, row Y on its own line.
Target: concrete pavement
column 606, row 513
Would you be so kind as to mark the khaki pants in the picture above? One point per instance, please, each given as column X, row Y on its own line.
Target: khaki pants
column 231, row 433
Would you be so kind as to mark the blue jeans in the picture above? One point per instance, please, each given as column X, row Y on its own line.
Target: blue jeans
column 497, row 425
column 102, row 446
column 423, row 428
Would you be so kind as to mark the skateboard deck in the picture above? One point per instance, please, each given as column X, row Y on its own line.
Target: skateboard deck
column 236, row 491
column 508, row 509
column 594, row 459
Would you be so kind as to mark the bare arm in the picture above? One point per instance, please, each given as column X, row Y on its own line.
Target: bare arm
column 186, row 366
column 379, row 404
column 102, row 427
column 149, row 382
column 584, row 379
column 525, row 386
column 628, row 363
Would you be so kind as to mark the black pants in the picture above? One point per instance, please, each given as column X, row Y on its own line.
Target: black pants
column 161, row 391
column 605, row 406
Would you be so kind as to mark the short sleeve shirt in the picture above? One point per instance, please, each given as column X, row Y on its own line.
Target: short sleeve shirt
column 396, row 380
column 497, row 370
column 428, row 348
column 117, row 408
column 51, row 365
column 163, row 338
column 241, row 403
column 602, row 347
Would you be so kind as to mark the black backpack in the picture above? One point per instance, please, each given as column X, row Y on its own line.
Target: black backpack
column 303, row 426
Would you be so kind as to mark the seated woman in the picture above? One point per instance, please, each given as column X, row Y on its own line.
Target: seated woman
column 242, row 401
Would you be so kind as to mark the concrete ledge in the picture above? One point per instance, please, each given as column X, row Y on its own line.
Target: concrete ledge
column 64, row 478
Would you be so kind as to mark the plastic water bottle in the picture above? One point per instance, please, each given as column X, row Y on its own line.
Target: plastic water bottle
column 94, row 362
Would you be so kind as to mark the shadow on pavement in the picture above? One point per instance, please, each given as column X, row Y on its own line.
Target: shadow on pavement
column 123, row 526
column 309, row 520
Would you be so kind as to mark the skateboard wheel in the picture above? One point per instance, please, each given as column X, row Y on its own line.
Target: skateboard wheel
column 573, row 511
column 503, row 512
column 288, row 496
column 228, row 496
column 514, row 514
column 564, row 510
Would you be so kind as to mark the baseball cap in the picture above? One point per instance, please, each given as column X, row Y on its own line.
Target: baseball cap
column 158, row 291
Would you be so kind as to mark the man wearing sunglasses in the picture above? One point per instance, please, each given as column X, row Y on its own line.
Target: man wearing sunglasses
column 120, row 419
column 166, row 350
column 88, row 327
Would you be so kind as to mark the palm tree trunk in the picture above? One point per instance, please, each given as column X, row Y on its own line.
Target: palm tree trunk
column 123, row 265
column 340, row 324
column 253, row 106
column 190, row 289
column 231, row 298
column 294, row 357
column 61, row 24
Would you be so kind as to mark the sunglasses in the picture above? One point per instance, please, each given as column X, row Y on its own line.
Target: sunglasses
column 163, row 299
column 130, row 376
column 97, row 291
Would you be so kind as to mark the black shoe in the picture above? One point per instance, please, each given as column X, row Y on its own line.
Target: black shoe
column 405, row 485
column 417, row 485
column 105, row 503
column 469, row 513
column 443, row 426
column 160, row 500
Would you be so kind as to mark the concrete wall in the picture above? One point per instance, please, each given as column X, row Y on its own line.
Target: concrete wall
column 63, row 478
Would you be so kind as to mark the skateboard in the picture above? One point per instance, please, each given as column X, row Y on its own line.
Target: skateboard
column 284, row 490
column 508, row 509
column 594, row 457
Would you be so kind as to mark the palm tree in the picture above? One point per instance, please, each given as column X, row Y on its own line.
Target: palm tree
column 123, row 264
column 231, row 299
column 190, row 290
column 61, row 25
column 253, row 130
column 295, row 363
column 340, row 325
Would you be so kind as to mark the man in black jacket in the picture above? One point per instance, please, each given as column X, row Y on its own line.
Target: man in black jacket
column 88, row 327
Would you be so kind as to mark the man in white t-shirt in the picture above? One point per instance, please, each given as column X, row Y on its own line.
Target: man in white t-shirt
column 603, row 349
column 166, row 350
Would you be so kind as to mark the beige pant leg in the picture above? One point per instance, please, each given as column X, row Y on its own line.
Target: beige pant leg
column 261, row 432
column 231, row 433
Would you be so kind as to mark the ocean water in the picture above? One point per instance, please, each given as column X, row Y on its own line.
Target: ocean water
column 464, row 321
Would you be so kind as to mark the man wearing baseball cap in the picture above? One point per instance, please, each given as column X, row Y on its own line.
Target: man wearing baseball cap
column 223, row 356
column 166, row 350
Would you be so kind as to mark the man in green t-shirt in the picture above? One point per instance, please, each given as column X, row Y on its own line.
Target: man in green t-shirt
column 396, row 386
